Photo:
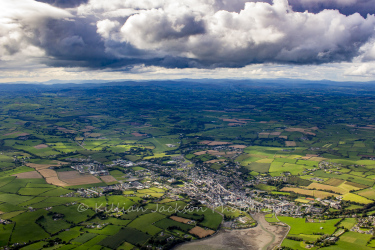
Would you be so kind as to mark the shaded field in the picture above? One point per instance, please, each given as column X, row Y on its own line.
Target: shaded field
column 126, row 234
column 73, row 178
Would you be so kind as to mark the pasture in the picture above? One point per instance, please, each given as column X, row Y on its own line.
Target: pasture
column 300, row 226
column 127, row 234
column 144, row 223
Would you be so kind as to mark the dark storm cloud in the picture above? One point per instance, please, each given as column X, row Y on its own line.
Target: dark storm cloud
column 188, row 33
column 64, row 3
column 346, row 7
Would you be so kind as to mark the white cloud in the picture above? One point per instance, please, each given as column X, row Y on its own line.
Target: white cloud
column 363, row 70
column 21, row 27
column 256, row 38
column 261, row 32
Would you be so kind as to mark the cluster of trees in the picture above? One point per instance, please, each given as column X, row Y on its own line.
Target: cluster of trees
column 294, row 238
column 56, row 241
column 165, row 243
column 113, row 192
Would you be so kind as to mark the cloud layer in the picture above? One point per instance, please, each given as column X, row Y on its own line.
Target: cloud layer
column 121, row 34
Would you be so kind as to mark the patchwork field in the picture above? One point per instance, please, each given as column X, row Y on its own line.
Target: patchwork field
column 73, row 178
column 356, row 198
column 368, row 193
column 201, row 232
column 108, row 179
column 319, row 186
column 280, row 141
column 313, row 193
column 27, row 175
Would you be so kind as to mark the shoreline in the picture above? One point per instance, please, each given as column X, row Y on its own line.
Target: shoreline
column 263, row 236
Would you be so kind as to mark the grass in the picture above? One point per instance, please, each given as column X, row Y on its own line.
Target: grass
column 300, row 226
column 71, row 213
column 5, row 180
column 260, row 167
column 16, row 170
column 92, row 243
column 348, row 223
column 280, row 193
column 32, row 201
column 56, row 192
column 32, row 191
column 67, row 235
column 56, row 201
column 319, row 186
column 313, row 193
column 134, row 214
column 347, row 177
column 10, row 215
column 352, row 240
column 127, row 234
column 84, row 238
column 52, row 226
column 302, row 200
column 6, row 207
column 5, row 232
column 118, row 175
column 368, row 193
column 145, row 222
column 38, row 245
column 111, row 220
column 120, row 202
column 166, row 223
column 26, row 229
column 13, row 186
column 356, row 198
column 14, row 199
column 265, row 187
column 292, row 244
column 107, row 230
column 160, row 144
column 211, row 219
column 126, row 246
column 271, row 218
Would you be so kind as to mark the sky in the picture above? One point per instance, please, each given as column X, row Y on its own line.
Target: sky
column 167, row 39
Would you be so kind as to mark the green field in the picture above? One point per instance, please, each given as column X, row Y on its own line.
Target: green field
column 261, row 137
column 167, row 223
column 300, row 226
column 127, row 234
column 144, row 223
column 348, row 223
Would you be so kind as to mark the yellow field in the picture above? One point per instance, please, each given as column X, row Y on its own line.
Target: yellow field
column 348, row 187
column 356, row 198
column 314, row 193
column 334, row 182
column 323, row 195
column 298, row 191
column 318, row 159
column 302, row 200
column 368, row 193
column 319, row 186
column 265, row 161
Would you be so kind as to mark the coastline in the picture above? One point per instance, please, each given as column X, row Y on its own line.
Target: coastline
column 263, row 236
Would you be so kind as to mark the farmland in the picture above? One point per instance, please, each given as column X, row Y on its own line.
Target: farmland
column 170, row 145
